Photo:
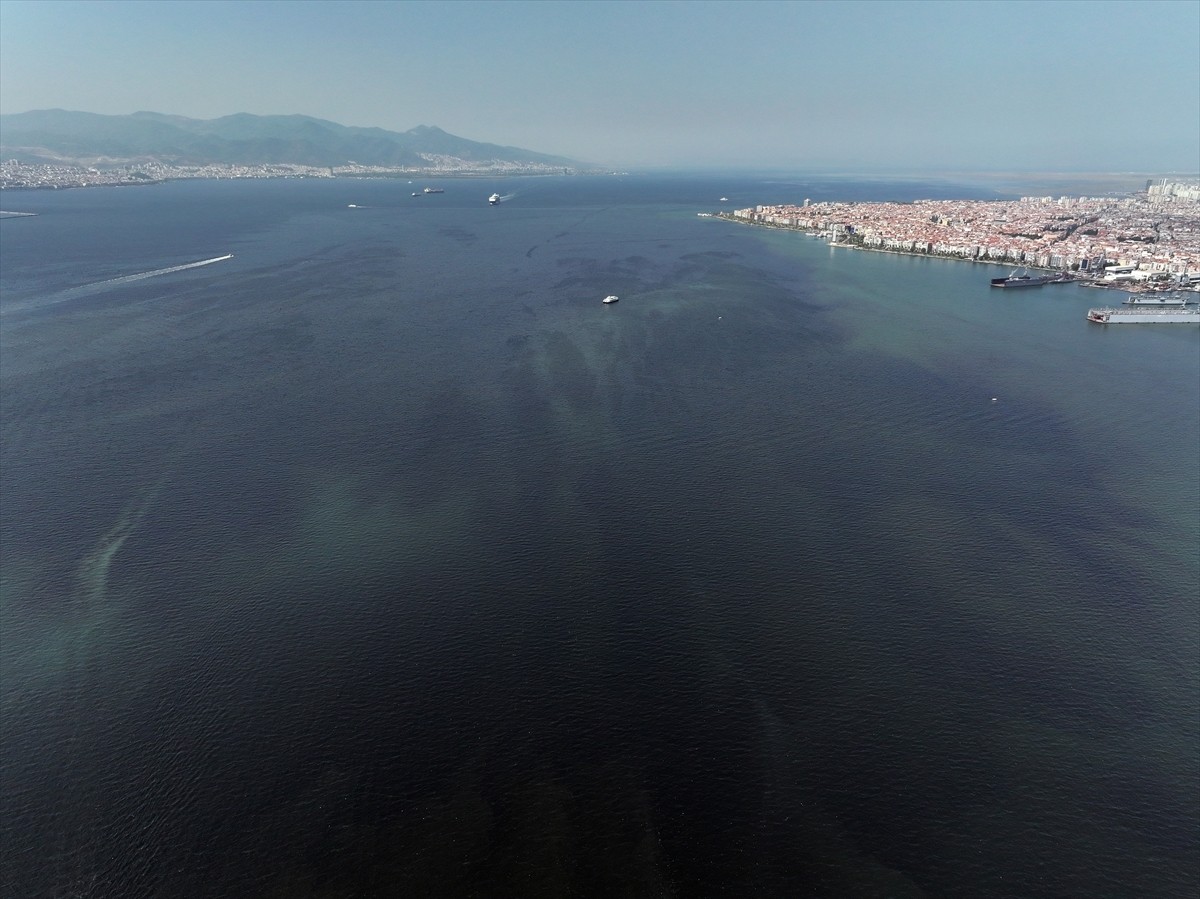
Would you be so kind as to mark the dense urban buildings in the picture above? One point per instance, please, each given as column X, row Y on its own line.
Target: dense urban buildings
column 17, row 175
column 1150, row 237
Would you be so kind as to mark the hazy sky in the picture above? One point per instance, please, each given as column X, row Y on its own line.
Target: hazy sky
column 1067, row 86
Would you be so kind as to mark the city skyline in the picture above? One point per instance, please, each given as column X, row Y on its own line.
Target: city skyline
column 1089, row 86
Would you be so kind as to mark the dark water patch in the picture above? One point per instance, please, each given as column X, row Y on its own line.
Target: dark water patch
column 712, row 254
column 460, row 235
column 569, row 372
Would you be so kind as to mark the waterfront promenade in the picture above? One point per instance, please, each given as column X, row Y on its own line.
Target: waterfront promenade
column 1149, row 239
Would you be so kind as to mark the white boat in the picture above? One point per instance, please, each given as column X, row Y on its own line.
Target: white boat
column 494, row 199
column 611, row 298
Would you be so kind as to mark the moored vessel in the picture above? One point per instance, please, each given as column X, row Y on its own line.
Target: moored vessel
column 1019, row 280
column 1178, row 315
column 1155, row 301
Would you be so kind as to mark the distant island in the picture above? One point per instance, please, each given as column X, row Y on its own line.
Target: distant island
column 55, row 148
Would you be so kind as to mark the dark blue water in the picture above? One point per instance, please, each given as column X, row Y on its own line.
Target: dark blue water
column 383, row 559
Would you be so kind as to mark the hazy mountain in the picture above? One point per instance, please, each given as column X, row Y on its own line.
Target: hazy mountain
column 86, row 138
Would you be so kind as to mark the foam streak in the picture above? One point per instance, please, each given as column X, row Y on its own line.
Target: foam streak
column 124, row 279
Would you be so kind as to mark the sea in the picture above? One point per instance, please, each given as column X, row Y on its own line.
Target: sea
column 376, row 556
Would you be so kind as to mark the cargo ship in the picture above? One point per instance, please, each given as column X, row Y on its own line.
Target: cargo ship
column 1179, row 315
column 433, row 190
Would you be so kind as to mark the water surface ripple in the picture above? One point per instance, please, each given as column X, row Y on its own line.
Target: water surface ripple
column 383, row 558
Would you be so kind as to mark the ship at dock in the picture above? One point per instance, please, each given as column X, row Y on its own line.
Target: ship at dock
column 1156, row 302
column 1018, row 279
column 1167, row 315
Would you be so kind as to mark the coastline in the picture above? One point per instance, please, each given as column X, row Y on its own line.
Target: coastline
column 851, row 245
column 1097, row 267
column 16, row 178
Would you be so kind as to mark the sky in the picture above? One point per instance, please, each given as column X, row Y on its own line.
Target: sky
column 1073, row 85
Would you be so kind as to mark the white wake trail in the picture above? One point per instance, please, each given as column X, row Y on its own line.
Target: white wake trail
column 124, row 279
column 72, row 293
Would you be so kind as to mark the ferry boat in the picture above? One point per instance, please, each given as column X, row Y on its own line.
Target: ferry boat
column 494, row 200
column 1178, row 315
column 611, row 298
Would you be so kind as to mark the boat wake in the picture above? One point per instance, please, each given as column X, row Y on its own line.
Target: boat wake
column 72, row 293
column 125, row 279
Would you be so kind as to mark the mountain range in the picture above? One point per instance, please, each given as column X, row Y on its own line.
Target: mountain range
column 83, row 138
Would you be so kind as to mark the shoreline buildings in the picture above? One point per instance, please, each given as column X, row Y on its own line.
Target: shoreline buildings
column 1148, row 238
column 15, row 175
